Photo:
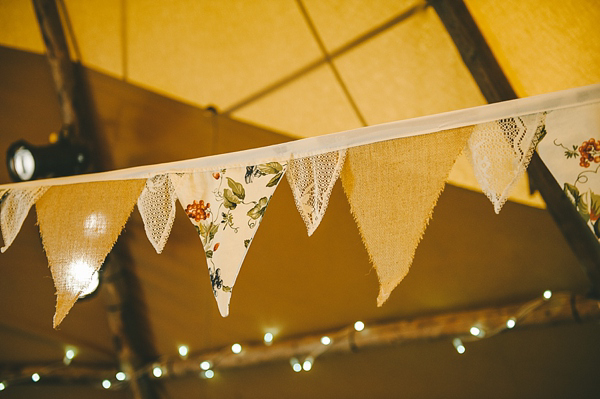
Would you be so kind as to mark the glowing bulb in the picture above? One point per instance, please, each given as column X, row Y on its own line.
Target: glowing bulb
column 35, row 377
column 205, row 365
column 82, row 278
column 268, row 338
column 92, row 286
column 308, row 363
column 183, row 350
column 236, row 348
column 296, row 366
column 106, row 384
column 458, row 345
column 70, row 353
column 121, row 376
column 2, row 386
column 209, row 374
column 325, row 340
column 24, row 163
column 476, row 331
column 547, row 294
column 157, row 371
column 95, row 224
column 510, row 323
column 359, row 326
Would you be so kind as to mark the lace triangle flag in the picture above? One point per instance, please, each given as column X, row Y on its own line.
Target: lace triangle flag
column 157, row 208
column 226, row 207
column 392, row 187
column 14, row 208
column 311, row 180
column 500, row 151
column 79, row 224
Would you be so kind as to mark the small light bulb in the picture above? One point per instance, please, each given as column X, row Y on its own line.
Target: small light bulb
column 157, row 371
column 475, row 331
column 268, row 338
column 183, row 350
column 121, row 376
column 296, row 366
column 308, row 363
column 2, row 386
column 205, row 365
column 458, row 345
column 547, row 294
column 70, row 353
column 325, row 340
column 209, row 374
column 106, row 384
column 35, row 377
column 236, row 348
column 359, row 326
column 510, row 323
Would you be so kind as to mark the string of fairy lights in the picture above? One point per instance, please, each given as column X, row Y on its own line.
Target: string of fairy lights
column 206, row 367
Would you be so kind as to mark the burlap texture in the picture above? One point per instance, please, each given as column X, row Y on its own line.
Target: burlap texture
column 79, row 224
column 392, row 187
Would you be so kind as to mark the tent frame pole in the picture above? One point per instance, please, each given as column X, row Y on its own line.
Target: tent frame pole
column 495, row 87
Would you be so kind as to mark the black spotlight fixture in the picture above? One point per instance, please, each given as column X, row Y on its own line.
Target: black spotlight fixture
column 29, row 162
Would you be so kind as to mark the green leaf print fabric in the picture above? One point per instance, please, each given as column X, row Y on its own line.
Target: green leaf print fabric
column 226, row 207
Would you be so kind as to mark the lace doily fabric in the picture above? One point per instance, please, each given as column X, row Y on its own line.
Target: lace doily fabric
column 14, row 208
column 571, row 151
column 311, row 180
column 392, row 196
column 79, row 225
column 500, row 151
column 226, row 208
column 156, row 205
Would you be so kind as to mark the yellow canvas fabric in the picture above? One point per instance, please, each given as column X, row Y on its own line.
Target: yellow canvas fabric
column 79, row 224
column 392, row 187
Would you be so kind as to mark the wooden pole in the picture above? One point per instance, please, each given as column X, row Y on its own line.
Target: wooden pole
column 494, row 85
column 125, row 308
column 560, row 309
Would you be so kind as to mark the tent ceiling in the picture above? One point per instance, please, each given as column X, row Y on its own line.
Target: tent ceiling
column 205, row 53
column 235, row 55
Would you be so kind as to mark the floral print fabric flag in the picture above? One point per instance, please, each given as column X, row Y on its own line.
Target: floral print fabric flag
column 226, row 207
column 570, row 149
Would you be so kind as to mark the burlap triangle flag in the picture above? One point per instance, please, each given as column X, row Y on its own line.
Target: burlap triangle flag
column 226, row 207
column 311, row 180
column 392, row 187
column 79, row 224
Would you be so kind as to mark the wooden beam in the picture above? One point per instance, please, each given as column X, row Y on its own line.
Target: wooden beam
column 61, row 67
column 494, row 85
column 126, row 311
column 561, row 309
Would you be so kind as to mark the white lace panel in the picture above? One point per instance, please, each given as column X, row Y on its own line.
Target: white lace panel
column 500, row 151
column 14, row 209
column 312, row 179
column 157, row 207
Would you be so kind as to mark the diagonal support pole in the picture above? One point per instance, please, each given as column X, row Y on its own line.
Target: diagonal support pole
column 126, row 314
column 494, row 85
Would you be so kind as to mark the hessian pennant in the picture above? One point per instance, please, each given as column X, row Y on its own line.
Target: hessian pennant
column 392, row 187
column 79, row 224
column 226, row 207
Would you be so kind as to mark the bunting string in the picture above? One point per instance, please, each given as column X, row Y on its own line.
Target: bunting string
column 392, row 175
